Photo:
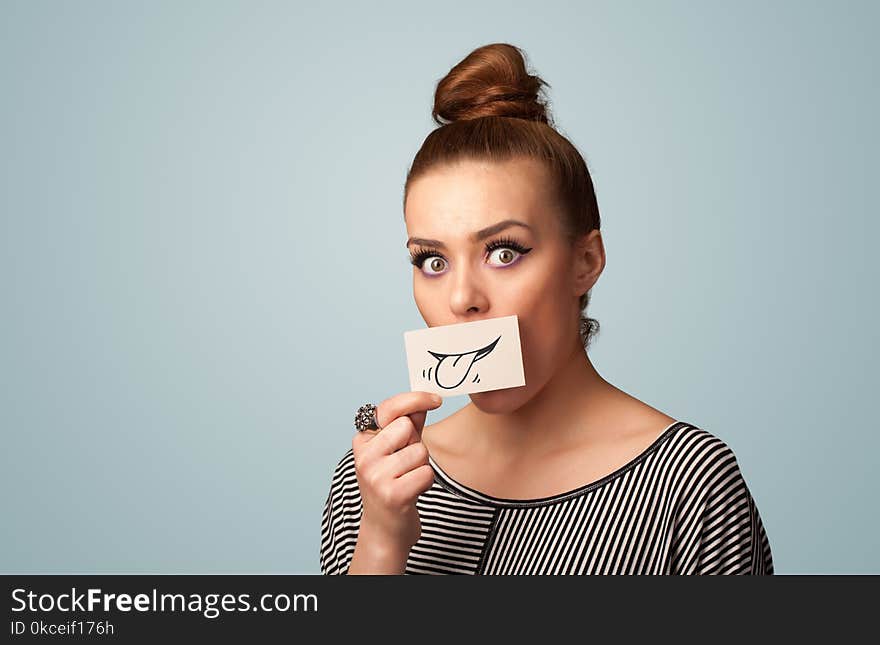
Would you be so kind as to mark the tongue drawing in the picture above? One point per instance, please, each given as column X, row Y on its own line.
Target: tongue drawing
column 453, row 369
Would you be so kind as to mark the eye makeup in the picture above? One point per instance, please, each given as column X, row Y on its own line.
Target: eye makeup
column 420, row 254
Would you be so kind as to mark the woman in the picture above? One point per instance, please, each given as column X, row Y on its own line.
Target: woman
column 567, row 474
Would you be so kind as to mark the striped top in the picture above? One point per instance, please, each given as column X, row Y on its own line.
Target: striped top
column 679, row 507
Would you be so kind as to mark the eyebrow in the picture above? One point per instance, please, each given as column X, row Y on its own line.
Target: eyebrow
column 476, row 237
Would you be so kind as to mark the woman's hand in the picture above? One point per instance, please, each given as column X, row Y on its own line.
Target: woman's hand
column 392, row 471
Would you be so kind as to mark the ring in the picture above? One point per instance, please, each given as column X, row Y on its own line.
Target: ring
column 365, row 419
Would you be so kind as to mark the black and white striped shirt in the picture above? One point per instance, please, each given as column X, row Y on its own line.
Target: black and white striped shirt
column 682, row 506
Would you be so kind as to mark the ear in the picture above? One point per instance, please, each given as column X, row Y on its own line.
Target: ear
column 589, row 261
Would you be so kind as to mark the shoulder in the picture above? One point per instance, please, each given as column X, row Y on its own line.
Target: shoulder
column 343, row 476
column 342, row 506
column 693, row 445
column 341, row 517
column 345, row 462
column 704, row 464
column 343, row 502
column 717, row 523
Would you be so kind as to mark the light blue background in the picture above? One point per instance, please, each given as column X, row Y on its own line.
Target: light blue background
column 203, row 271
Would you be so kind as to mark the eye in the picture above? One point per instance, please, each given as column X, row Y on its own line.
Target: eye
column 418, row 257
column 504, row 255
column 506, row 248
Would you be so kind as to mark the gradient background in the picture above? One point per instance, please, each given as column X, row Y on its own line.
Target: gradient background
column 203, row 269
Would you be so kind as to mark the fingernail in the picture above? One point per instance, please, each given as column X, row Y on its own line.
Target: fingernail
column 437, row 399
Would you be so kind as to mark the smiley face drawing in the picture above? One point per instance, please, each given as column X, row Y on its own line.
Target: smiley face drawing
column 452, row 369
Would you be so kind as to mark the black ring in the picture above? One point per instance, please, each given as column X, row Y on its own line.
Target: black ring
column 365, row 419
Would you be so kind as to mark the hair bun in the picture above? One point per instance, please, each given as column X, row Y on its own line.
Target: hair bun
column 491, row 81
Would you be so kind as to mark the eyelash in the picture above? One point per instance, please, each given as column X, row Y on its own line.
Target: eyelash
column 418, row 257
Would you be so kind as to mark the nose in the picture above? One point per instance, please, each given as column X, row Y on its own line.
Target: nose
column 468, row 296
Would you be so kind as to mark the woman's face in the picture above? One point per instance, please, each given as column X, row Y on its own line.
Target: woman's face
column 472, row 266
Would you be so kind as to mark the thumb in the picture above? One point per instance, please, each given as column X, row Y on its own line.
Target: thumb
column 418, row 419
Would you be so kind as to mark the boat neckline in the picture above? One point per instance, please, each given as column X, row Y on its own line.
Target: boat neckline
column 454, row 486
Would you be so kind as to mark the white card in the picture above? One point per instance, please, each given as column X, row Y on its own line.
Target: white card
column 465, row 357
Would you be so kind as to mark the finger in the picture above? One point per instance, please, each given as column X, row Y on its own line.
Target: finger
column 361, row 437
column 391, row 438
column 410, row 435
column 405, row 460
column 416, row 481
column 404, row 404
column 418, row 419
column 372, row 446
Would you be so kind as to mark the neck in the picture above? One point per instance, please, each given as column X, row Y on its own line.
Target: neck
column 555, row 416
